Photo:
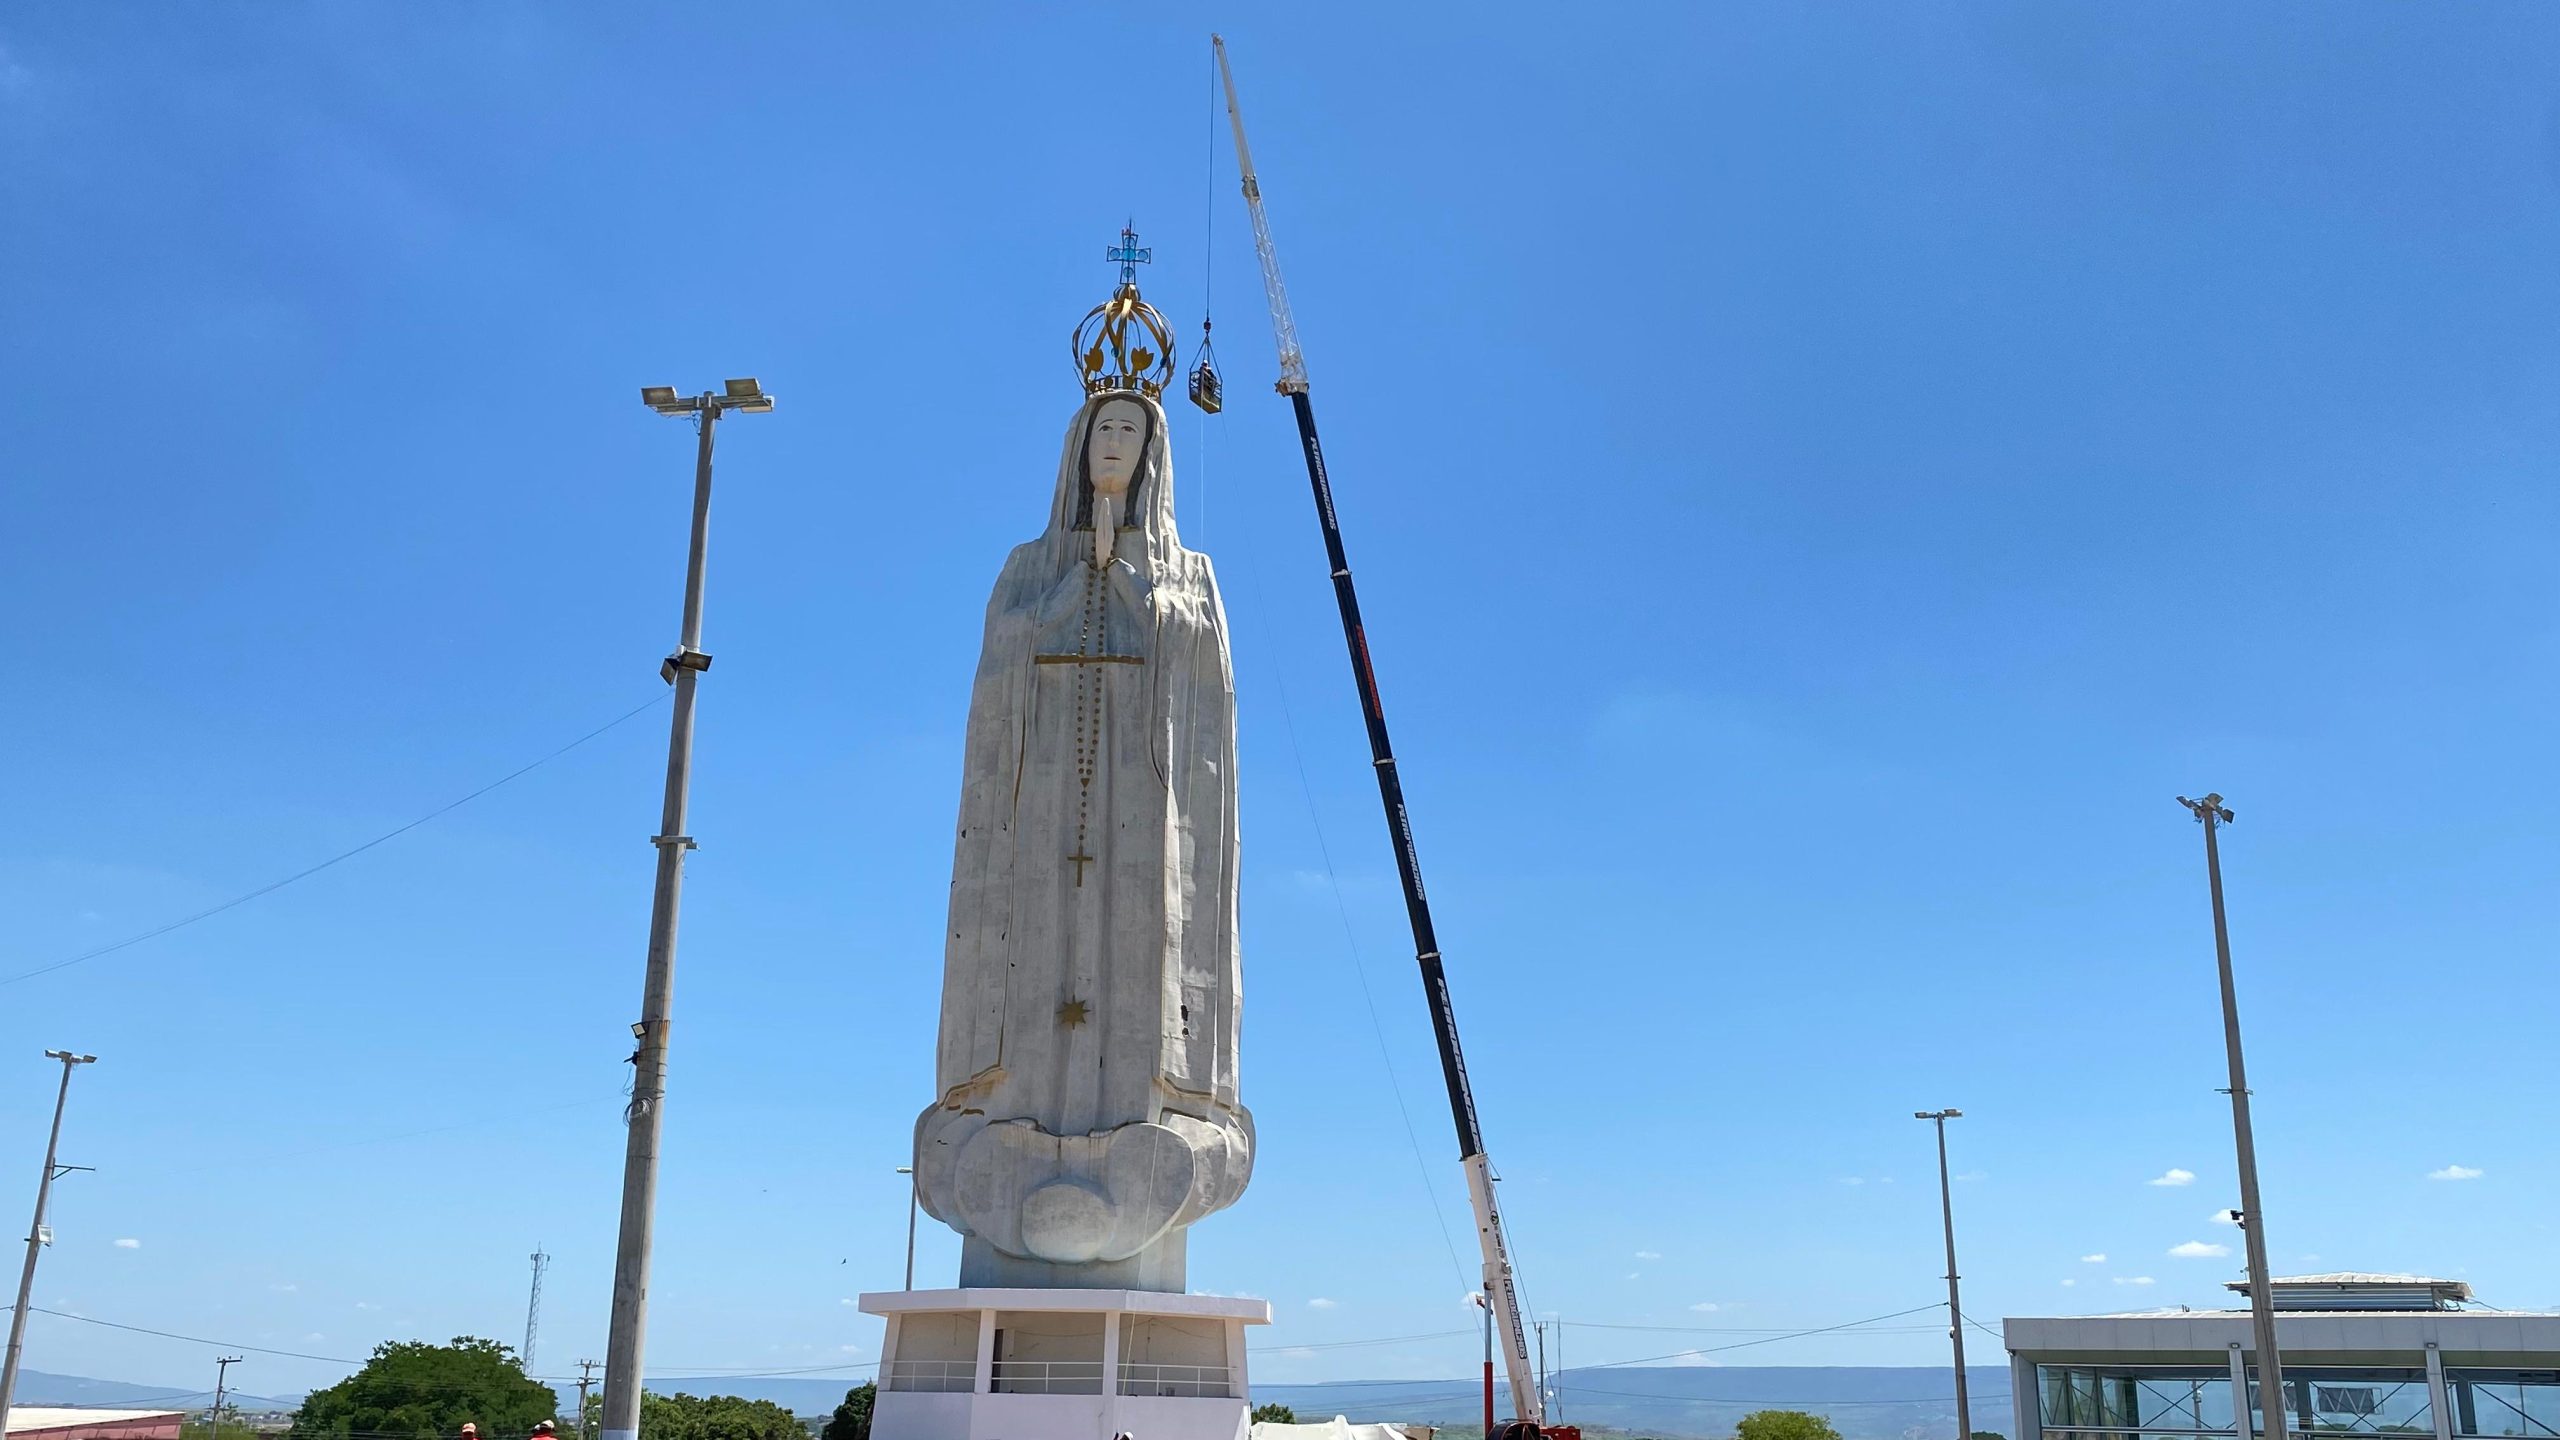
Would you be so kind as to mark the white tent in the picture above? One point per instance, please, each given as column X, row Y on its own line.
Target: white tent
column 1336, row 1428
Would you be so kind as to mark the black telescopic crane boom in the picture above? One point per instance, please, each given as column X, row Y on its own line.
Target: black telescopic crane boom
column 1501, row 1292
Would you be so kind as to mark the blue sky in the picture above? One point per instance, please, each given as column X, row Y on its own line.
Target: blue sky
column 1821, row 482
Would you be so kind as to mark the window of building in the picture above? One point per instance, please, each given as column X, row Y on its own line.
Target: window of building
column 2137, row 1399
column 2522, row 1403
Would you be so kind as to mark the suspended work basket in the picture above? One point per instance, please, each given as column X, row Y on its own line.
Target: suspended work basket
column 1207, row 390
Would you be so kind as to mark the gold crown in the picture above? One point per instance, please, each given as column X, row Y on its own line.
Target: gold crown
column 1123, row 344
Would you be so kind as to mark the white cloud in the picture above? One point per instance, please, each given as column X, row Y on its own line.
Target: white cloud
column 1853, row 1180
column 2098, row 1259
column 2199, row 1250
column 314, row 1335
column 1635, row 1274
column 2226, row 1217
column 1696, row 1359
column 2068, row 1282
column 849, row 1300
column 1648, row 1254
column 128, row 1243
column 2455, row 1172
column 1973, row 1175
column 849, row 1349
column 285, row 1287
column 1321, row 1303
column 1706, row 1307
column 367, row 1305
column 2175, row 1176
column 2132, row 1279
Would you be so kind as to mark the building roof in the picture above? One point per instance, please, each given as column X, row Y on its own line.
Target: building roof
column 2360, row 1290
column 62, row 1417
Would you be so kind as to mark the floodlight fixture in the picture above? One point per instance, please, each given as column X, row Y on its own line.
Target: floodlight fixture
column 2209, row 805
column 745, row 395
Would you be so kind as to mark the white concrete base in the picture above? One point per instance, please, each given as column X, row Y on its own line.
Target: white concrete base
column 1007, row 1364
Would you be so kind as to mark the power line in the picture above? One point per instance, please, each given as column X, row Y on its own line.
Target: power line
column 191, row 1339
column 1770, row 1340
column 1348, row 1344
column 1580, row 1390
column 1742, row 1329
column 268, row 889
column 673, row 1371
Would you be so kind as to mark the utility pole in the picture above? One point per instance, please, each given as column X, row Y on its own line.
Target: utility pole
column 586, row 1378
column 645, row 1120
column 2210, row 812
column 909, row 1171
column 1542, row 1360
column 36, row 1236
column 533, row 1305
column 213, row 1419
column 1955, row 1302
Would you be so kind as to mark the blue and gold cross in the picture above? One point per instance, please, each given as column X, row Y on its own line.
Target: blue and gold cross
column 1128, row 255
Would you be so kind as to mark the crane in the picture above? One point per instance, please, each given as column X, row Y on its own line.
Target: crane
column 1501, row 1290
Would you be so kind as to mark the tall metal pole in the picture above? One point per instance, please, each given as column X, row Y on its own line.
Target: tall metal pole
column 1488, row 1371
column 1955, row 1301
column 646, row 1118
column 2211, row 812
column 909, row 1171
column 35, row 1235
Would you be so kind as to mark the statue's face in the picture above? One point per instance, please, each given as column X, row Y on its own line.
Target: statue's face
column 1111, row 451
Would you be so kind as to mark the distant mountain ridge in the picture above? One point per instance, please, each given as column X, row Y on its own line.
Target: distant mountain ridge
column 1864, row 1402
column 36, row 1387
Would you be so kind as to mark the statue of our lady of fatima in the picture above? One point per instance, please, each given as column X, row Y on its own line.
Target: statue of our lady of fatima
column 1087, row 1110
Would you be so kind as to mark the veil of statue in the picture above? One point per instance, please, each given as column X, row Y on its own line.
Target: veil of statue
column 1087, row 1109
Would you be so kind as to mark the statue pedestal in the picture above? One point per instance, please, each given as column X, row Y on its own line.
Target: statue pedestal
column 1004, row 1364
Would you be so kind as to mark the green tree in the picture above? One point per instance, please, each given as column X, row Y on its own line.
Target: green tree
column 1784, row 1425
column 705, row 1417
column 1273, row 1413
column 411, row 1390
column 852, row 1420
column 229, row 1429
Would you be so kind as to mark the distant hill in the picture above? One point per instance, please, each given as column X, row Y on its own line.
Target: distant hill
column 35, row 1387
column 1865, row 1402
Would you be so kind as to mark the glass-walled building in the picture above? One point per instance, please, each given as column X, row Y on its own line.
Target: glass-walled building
column 2364, row 1355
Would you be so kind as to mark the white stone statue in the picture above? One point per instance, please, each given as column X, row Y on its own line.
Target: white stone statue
column 1088, row 1111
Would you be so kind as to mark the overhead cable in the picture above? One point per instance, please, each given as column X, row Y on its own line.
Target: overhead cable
column 273, row 886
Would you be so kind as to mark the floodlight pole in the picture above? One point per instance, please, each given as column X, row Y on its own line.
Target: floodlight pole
column 2211, row 812
column 35, row 1233
column 1955, row 1302
column 909, row 1171
column 645, row 1119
